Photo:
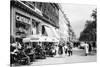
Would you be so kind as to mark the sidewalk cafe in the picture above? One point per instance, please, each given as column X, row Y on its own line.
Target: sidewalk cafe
column 44, row 42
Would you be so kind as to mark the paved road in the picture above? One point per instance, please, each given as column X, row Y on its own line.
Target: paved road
column 77, row 57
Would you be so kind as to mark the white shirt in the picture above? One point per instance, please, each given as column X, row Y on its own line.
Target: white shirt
column 14, row 44
column 65, row 47
column 86, row 48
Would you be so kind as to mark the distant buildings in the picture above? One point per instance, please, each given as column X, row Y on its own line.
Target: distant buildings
column 65, row 29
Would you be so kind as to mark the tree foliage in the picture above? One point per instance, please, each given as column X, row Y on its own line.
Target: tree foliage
column 89, row 32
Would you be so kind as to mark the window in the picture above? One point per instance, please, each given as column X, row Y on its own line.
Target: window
column 44, row 31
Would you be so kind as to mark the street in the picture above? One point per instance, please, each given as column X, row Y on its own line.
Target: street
column 77, row 57
column 42, row 30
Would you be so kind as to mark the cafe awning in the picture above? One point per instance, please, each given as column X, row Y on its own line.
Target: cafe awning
column 37, row 38
column 51, row 32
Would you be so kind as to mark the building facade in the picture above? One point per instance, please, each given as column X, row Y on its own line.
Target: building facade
column 39, row 18
column 63, row 26
column 33, row 18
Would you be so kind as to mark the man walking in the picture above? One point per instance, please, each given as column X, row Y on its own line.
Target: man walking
column 66, row 49
column 86, row 48
column 69, row 49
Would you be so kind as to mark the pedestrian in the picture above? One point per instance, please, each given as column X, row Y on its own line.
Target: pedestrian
column 60, row 51
column 19, row 46
column 56, row 50
column 86, row 48
column 12, row 52
column 66, row 49
column 90, row 47
column 69, row 49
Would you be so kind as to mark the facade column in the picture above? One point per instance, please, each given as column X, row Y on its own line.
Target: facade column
column 40, row 29
column 12, row 20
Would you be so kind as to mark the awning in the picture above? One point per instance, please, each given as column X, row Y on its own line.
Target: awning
column 51, row 32
column 32, row 38
column 37, row 38
column 54, row 39
column 56, row 33
column 26, row 40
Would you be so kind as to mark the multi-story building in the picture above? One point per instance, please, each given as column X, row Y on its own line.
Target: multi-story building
column 72, row 36
column 34, row 18
column 63, row 25
column 39, row 18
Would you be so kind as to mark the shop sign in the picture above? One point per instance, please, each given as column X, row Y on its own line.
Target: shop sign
column 22, row 19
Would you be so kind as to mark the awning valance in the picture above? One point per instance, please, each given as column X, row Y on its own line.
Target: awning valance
column 39, row 39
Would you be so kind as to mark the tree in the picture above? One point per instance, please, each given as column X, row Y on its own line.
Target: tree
column 94, row 15
column 89, row 32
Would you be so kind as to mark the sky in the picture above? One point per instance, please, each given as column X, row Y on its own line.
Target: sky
column 77, row 14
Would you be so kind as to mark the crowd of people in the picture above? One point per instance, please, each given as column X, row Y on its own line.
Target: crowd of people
column 64, row 48
column 22, row 54
column 17, row 54
column 25, row 54
column 67, row 48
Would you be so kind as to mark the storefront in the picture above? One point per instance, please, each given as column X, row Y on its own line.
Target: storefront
column 33, row 28
column 23, row 24
column 26, row 22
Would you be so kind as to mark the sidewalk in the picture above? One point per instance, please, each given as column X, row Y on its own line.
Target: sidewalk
column 77, row 57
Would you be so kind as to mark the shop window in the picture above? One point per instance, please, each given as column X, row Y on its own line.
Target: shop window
column 44, row 31
column 22, row 29
column 33, row 27
column 22, row 25
column 37, row 28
